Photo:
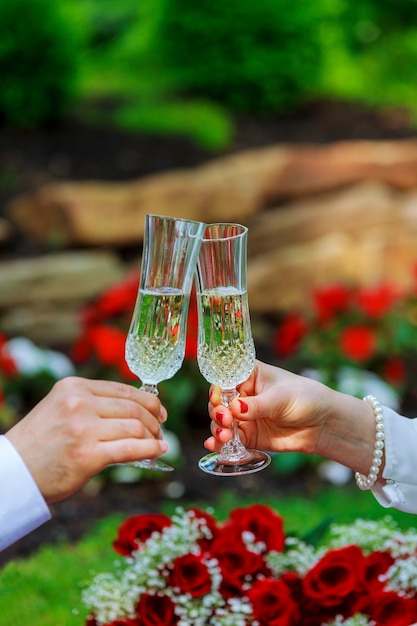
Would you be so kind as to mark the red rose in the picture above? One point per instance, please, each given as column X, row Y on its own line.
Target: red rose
column 376, row 564
column 190, row 575
column 289, row 335
column 387, row 608
column 338, row 574
column 375, row 302
column 157, row 610
column 262, row 521
column 358, row 342
column 328, row 301
column 137, row 529
column 272, row 603
column 235, row 560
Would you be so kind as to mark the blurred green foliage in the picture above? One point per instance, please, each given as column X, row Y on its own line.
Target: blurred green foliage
column 249, row 56
column 38, row 62
column 167, row 66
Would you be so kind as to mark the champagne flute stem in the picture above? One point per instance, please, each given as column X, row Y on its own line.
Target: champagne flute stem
column 233, row 450
column 150, row 388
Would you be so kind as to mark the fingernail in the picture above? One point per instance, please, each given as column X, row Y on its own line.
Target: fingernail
column 218, row 431
column 163, row 446
column 243, row 406
column 210, row 393
column 220, row 417
column 163, row 415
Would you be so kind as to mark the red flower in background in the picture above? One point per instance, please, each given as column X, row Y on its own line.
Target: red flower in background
column 329, row 301
column 377, row 301
column 394, row 371
column 358, row 342
column 116, row 300
column 289, row 335
column 107, row 343
column 7, row 363
column 192, row 329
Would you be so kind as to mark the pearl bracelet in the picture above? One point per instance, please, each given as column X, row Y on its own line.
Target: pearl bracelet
column 367, row 482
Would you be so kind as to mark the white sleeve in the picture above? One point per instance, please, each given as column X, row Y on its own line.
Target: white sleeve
column 400, row 470
column 22, row 507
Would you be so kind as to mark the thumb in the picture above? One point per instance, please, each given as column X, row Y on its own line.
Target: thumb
column 249, row 408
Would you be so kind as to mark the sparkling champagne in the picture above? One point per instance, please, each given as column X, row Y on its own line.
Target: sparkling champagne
column 226, row 352
column 155, row 344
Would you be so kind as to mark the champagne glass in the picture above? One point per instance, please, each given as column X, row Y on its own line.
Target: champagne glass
column 155, row 344
column 226, row 351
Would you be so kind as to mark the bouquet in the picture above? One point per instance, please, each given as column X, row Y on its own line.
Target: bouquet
column 190, row 569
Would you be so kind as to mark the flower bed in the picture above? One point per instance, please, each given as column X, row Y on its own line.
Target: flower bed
column 191, row 569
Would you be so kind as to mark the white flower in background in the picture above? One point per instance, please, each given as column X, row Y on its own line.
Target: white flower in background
column 360, row 383
column 31, row 360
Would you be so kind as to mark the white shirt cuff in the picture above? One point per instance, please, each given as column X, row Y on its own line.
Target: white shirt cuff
column 400, row 470
column 22, row 506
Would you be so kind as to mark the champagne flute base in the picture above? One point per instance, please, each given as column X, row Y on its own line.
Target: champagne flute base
column 254, row 461
column 150, row 464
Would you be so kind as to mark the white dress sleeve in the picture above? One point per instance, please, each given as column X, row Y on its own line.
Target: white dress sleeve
column 22, row 506
column 400, row 470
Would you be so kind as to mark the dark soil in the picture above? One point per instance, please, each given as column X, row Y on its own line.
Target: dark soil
column 73, row 151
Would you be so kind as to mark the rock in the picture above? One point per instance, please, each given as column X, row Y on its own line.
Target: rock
column 40, row 297
column 362, row 235
column 231, row 188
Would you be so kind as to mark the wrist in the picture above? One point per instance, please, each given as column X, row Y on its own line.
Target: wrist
column 348, row 435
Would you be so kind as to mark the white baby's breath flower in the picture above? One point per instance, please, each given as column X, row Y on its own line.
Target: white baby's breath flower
column 402, row 576
column 298, row 557
column 356, row 620
column 369, row 535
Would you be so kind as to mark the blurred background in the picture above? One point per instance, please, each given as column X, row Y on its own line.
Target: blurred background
column 297, row 119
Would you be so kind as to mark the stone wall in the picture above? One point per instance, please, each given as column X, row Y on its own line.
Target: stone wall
column 344, row 211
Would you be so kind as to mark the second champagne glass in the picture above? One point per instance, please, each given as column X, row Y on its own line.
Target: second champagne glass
column 155, row 344
column 226, row 351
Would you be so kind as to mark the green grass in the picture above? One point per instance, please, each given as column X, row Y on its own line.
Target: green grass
column 45, row 589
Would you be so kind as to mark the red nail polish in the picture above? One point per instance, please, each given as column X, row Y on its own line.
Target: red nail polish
column 218, row 431
column 243, row 406
column 210, row 393
column 220, row 417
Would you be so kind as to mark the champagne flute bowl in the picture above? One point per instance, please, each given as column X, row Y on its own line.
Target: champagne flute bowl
column 155, row 344
column 226, row 351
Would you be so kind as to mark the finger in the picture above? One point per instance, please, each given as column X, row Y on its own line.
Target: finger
column 215, row 395
column 114, row 389
column 115, row 429
column 221, row 416
column 118, row 409
column 220, row 434
column 212, row 444
column 129, row 450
